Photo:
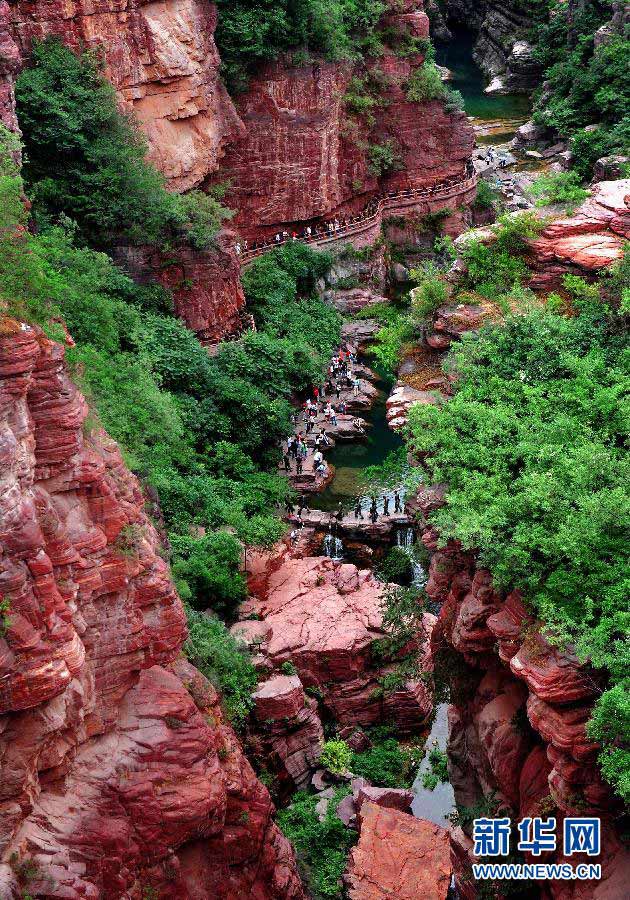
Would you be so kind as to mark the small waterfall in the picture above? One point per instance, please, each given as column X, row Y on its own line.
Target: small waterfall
column 406, row 539
column 333, row 546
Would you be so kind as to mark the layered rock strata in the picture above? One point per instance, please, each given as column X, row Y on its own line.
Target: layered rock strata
column 205, row 285
column 290, row 730
column 398, row 856
column 517, row 738
column 326, row 618
column 162, row 60
column 582, row 244
column 304, row 153
column 118, row 775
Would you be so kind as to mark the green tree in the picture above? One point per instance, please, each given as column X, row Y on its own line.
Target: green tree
column 86, row 160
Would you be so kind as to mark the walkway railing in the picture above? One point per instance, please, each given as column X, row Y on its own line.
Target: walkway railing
column 371, row 214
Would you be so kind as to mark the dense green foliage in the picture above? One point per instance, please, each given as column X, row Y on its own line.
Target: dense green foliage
column 495, row 269
column 85, row 160
column 487, row 195
column 559, row 187
column 218, row 655
column 336, row 756
column 585, row 85
column 531, row 448
column 438, row 768
column 387, row 763
column 322, row 847
column 250, row 33
column 431, row 293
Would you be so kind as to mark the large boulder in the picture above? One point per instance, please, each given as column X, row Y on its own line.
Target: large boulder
column 398, row 857
column 289, row 727
column 325, row 617
column 586, row 242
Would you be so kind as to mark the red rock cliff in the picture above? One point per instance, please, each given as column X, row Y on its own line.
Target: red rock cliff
column 305, row 154
column 161, row 57
column 162, row 60
column 517, row 723
column 118, row 777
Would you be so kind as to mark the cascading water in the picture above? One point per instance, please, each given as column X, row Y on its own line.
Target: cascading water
column 406, row 539
column 333, row 546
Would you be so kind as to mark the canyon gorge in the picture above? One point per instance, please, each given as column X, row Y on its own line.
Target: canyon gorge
column 131, row 766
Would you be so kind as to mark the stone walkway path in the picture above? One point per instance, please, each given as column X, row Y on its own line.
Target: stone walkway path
column 350, row 427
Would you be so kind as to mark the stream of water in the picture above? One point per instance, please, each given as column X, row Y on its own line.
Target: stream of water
column 350, row 459
column 495, row 118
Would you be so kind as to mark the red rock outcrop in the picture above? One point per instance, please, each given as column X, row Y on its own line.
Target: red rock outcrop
column 303, row 155
column 585, row 242
column 517, row 725
column 9, row 64
column 163, row 62
column 398, row 856
column 326, row 617
column 206, row 285
column 289, row 729
column 117, row 774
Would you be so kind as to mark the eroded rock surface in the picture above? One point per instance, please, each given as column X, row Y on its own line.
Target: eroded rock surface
column 117, row 772
column 398, row 856
column 325, row 617
column 303, row 153
column 162, row 60
column 587, row 241
column 517, row 723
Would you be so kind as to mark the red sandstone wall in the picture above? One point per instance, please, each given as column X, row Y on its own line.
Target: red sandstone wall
column 303, row 155
column 161, row 57
column 117, row 775
column 9, row 64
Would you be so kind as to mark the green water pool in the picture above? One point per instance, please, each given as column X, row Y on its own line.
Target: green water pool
column 468, row 78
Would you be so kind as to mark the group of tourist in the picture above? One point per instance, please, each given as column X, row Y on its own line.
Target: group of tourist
column 399, row 507
column 326, row 400
column 326, row 229
column 339, row 377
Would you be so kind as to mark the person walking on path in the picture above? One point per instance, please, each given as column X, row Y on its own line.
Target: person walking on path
column 385, row 505
column 355, row 387
column 304, row 503
column 315, row 395
column 289, row 506
column 340, row 511
column 333, row 416
column 287, row 462
column 397, row 505
column 317, row 457
column 373, row 514
column 300, row 466
column 358, row 509
column 337, row 390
